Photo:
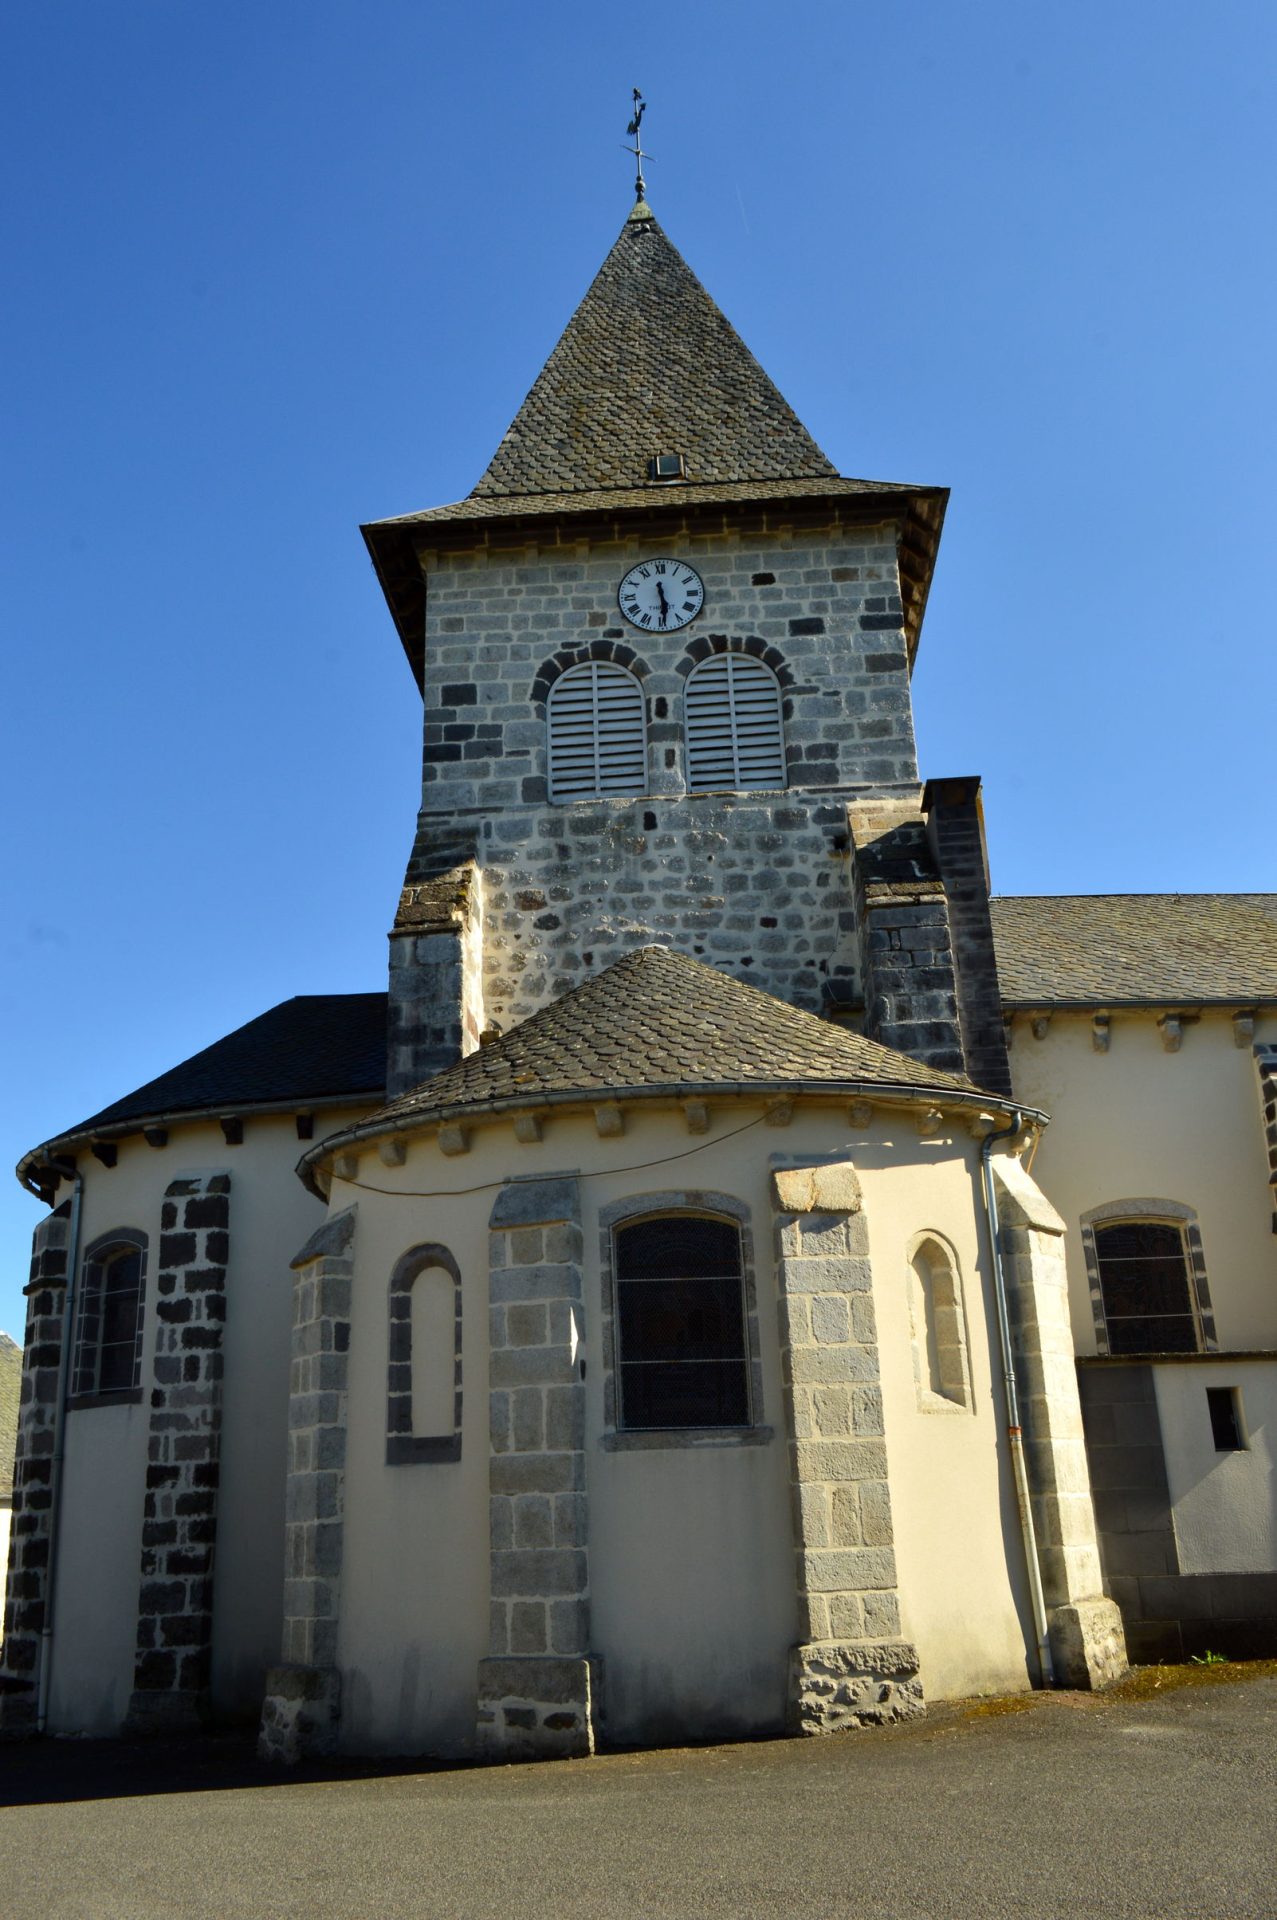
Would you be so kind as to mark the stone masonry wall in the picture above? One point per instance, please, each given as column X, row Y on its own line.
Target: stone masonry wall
column 27, row 1589
column 955, row 826
column 434, row 1010
column 537, row 1687
column 851, row 1667
column 910, row 986
column 179, row 1514
column 1166, row 1614
column 756, row 884
column 303, row 1694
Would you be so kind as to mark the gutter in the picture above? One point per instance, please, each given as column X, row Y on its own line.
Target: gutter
column 1015, row 1436
column 895, row 1093
column 45, row 1669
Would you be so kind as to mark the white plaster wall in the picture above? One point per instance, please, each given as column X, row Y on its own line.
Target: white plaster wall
column 691, row 1549
column 960, row 1560
column 694, row 1607
column 99, row 1555
column 1140, row 1123
column 95, row 1616
column 1224, row 1505
column 414, row 1590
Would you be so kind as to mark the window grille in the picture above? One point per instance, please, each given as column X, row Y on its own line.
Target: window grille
column 735, row 738
column 681, row 1335
column 598, row 734
column 1146, row 1288
column 108, row 1347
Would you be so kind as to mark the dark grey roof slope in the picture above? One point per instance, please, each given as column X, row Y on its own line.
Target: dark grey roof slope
column 10, row 1394
column 653, row 1020
column 1114, row 949
column 647, row 364
column 314, row 1046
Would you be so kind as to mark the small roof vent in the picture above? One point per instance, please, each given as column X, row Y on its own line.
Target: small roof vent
column 667, row 466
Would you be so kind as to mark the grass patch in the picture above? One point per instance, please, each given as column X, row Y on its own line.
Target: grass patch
column 1003, row 1703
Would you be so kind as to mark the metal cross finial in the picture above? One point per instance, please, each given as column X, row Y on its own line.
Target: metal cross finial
column 640, row 108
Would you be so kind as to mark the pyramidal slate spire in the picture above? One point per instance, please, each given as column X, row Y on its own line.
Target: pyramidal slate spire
column 648, row 365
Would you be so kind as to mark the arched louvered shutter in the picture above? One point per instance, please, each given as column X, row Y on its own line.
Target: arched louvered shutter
column 734, row 733
column 598, row 738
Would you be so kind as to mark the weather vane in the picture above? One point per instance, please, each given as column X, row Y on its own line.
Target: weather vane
column 640, row 108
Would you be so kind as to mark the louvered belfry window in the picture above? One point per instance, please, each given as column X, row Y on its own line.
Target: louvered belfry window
column 734, row 734
column 598, row 737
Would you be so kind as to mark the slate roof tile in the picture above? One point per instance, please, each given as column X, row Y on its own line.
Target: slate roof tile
column 1114, row 949
column 654, row 1019
column 648, row 364
column 314, row 1046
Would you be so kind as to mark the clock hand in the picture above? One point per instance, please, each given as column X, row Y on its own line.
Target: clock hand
column 660, row 594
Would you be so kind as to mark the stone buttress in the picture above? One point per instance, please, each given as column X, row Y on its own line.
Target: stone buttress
column 303, row 1694
column 179, row 1515
column 1088, row 1646
column 538, row 1686
column 27, row 1598
column 852, row 1667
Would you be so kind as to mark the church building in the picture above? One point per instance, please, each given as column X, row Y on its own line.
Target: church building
column 656, row 1316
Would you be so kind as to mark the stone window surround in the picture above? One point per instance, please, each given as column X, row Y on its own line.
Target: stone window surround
column 962, row 1399
column 403, row 1446
column 705, row 1204
column 105, row 1243
column 1162, row 1212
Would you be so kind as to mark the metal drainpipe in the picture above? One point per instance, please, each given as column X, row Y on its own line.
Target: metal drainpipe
column 1015, row 1437
column 59, row 1449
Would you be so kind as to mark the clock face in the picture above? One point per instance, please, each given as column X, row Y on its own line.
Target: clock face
column 661, row 595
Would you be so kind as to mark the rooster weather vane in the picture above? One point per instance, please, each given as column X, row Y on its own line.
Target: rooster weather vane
column 640, row 108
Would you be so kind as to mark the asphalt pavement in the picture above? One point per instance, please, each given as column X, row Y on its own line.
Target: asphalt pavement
column 1060, row 1805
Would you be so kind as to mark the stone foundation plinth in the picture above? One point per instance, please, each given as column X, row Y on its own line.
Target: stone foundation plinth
column 1088, row 1644
column 536, row 1709
column 300, row 1714
column 836, row 1684
column 18, row 1718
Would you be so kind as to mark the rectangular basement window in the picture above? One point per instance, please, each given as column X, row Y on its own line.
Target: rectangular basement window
column 1224, row 1406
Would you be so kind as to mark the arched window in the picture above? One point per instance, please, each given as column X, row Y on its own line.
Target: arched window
column 108, row 1342
column 941, row 1368
column 1148, row 1278
column 597, row 732
column 682, row 1346
column 733, row 725
column 423, row 1403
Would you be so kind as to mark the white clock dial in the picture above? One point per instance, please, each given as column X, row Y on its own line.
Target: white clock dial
column 661, row 595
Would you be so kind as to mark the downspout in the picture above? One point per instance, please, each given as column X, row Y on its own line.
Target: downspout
column 59, row 1449
column 1015, row 1438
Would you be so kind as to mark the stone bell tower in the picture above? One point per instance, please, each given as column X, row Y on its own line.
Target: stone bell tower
column 652, row 438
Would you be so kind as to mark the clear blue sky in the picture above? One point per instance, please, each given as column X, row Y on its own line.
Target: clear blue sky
column 275, row 269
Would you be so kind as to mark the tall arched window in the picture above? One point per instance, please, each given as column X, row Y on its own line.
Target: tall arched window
column 108, row 1344
column 597, row 732
column 941, row 1368
column 682, row 1347
column 1147, row 1277
column 423, row 1406
column 733, row 725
